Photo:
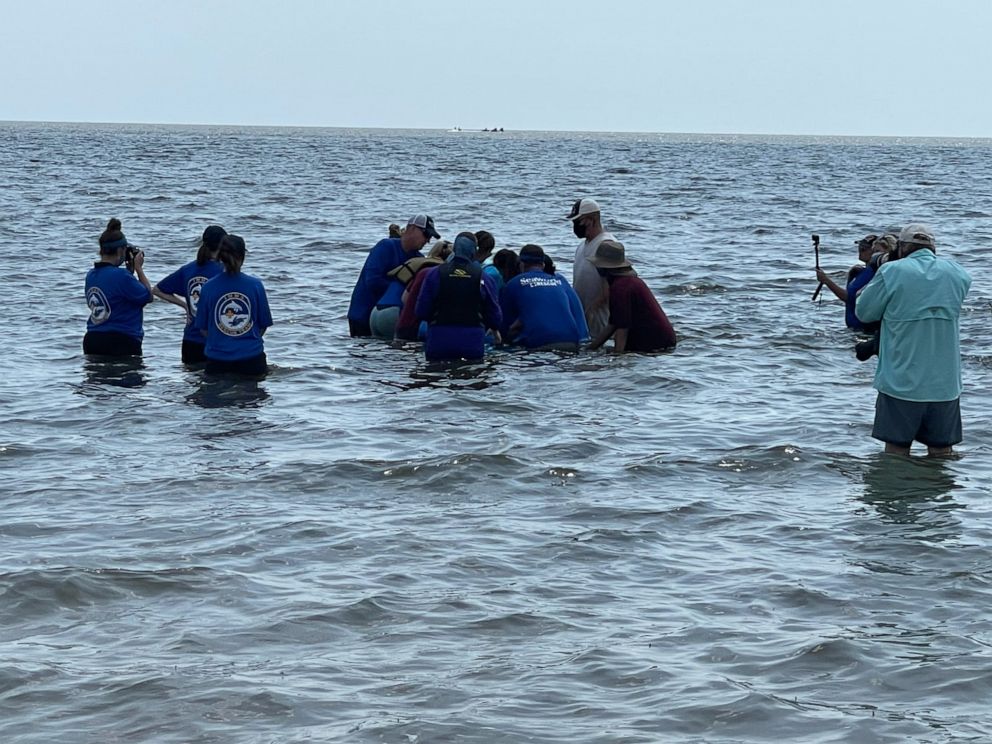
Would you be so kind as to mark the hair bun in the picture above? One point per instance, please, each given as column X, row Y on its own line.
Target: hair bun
column 114, row 224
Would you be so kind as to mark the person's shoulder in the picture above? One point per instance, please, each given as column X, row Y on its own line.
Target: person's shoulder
column 386, row 244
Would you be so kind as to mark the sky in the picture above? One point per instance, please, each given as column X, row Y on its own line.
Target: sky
column 835, row 67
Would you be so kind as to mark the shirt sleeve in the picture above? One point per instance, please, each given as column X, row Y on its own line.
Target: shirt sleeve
column 508, row 306
column 871, row 302
column 135, row 291
column 428, row 292
column 379, row 263
column 493, row 316
column 173, row 284
column 578, row 313
column 264, row 314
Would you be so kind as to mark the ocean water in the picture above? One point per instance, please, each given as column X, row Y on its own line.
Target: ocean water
column 701, row 546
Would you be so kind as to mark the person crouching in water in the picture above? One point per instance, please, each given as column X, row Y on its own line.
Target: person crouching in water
column 458, row 305
column 636, row 322
column 182, row 288
column 233, row 313
column 115, row 298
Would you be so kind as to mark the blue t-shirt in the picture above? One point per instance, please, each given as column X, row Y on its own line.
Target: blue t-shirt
column 116, row 300
column 373, row 280
column 547, row 307
column 853, row 287
column 234, row 311
column 186, row 282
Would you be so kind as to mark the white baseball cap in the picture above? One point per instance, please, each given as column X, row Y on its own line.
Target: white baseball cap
column 581, row 208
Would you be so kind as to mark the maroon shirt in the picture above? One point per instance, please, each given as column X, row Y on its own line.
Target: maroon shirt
column 632, row 306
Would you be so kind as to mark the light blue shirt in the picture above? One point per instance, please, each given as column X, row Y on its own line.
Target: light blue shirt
column 918, row 299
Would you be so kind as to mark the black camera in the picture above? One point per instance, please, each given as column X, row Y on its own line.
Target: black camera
column 130, row 252
column 865, row 350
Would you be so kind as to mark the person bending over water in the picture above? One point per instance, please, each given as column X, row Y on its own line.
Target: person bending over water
column 636, row 321
column 115, row 298
column 182, row 288
column 233, row 313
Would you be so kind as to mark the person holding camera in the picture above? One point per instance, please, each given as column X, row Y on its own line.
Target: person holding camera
column 233, row 314
column 115, row 298
column 918, row 300
column 182, row 288
column 857, row 276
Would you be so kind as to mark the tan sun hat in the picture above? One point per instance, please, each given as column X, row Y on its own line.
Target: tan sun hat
column 610, row 255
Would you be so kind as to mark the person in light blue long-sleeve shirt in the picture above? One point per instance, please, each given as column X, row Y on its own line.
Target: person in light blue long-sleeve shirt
column 918, row 300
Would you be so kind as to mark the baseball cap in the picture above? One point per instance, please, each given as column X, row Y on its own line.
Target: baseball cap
column 426, row 223
column 918, row 234
column 581, row 208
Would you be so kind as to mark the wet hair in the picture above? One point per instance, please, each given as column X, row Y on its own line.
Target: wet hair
column 507, row 262
column 112, row 239
column 395, row 231
column 549, row 265
column 232, row 253
column 486, row 243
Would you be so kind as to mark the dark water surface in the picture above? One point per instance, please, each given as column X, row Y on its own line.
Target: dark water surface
column 703, row 546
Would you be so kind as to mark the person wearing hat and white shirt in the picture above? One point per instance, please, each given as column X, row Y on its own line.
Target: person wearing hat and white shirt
column 386, row 255
column 918, row 300
column 636, row 320
column 591, row 288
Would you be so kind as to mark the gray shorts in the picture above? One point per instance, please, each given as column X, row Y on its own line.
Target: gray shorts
column 901, row 422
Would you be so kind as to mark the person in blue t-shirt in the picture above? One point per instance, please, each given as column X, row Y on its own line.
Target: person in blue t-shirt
column 857, row 277
column 540, row 310
column 233, row 313
column 182, row 288
column 115, row 298
column 386, row 255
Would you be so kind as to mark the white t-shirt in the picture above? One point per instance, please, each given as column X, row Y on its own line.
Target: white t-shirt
column 589, row 285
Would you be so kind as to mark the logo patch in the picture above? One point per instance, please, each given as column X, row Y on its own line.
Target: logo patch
column 233, row 314
column 193, row 293
column 96, row 300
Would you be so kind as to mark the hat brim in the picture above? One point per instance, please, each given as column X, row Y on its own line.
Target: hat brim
column 601, row 264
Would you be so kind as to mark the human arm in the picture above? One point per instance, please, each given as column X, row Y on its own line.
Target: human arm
column 492, row 315
column 424, row 309
column 604, row 336
column 839, row 292
column 872, row 299
column 620, row 340
column 174, row 299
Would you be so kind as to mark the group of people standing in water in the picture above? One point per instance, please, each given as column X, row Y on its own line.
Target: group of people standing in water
column 227, row 311
column 460, row 299
column 463, row 298
column 908, row 301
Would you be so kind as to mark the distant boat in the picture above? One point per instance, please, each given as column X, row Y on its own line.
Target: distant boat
column 455, row 129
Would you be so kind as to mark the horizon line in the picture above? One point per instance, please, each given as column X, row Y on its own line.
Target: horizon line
column 503, row 130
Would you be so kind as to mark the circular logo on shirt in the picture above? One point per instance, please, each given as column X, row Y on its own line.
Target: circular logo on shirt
column 99, row 307
column 233, row 314
column 193, row 292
